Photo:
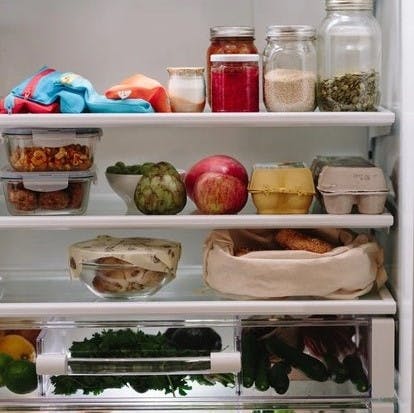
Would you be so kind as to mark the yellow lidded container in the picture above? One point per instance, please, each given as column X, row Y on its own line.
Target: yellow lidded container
column 282, row 188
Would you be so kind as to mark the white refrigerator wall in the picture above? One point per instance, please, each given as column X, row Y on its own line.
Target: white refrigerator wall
column 106, row 41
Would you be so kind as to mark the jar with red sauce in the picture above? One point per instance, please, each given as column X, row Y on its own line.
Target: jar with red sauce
column 234, row 82
column 229, row 40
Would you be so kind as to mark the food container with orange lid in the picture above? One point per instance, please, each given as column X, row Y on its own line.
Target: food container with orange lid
column 348, row 181
column 38, row 150
column 282, row 188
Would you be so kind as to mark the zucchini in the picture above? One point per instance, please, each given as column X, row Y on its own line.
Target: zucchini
column 310, row 366
column 263, row 365
column 250, row 349
column 356, row 372
column 278, row 377
column 336, row 369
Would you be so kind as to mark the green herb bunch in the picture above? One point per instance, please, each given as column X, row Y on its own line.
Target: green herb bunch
column 127, row 343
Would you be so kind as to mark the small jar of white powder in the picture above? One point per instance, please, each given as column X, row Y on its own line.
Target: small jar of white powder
column 186, row 89
column 289, row 69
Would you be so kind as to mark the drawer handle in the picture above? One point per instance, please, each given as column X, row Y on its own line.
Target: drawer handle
column 61, row 364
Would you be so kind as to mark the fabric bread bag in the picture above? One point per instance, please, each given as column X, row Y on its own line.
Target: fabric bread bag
column 350, row 269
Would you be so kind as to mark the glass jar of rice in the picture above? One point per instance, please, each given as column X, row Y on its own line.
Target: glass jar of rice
column 289, row 69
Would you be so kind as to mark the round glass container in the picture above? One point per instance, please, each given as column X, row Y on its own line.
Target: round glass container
column 186, row 89
column 229, row 40
column 124, row 268
column 235, row 83
column 349, row 57
column 289, row 69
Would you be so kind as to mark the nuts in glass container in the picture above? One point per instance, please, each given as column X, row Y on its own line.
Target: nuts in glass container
column 65, row 158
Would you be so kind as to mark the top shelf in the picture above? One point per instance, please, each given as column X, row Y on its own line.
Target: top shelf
column 383, row 117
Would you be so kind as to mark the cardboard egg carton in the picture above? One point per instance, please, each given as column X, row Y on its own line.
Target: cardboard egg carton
column 343, row 182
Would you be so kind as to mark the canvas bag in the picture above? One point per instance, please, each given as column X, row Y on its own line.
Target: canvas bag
column 348, row 271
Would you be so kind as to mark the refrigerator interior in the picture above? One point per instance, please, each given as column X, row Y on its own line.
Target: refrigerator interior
column 106, row 41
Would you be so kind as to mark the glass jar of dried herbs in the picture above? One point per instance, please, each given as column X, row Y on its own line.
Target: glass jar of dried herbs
column 349, row 57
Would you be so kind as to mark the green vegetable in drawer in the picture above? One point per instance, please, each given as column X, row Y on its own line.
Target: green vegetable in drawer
column 278, row 377
column 196, row 338
column 263, row 365
column 249, row 358
column 127, row 343
column 336, row 369
column 310, row 366
column 356, row 372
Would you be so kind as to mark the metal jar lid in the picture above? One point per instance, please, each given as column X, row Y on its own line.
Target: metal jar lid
column 295, row 32
column 231, row 31
column 349, row 5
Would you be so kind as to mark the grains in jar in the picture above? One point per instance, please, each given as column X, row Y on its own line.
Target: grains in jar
column 229, row 40
column 289, row 69
column 235, row 83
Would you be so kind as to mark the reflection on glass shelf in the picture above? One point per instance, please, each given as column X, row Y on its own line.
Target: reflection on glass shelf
column 52, row 292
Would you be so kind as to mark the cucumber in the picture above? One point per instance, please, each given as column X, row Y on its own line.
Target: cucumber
column 249, row 358
column 263, row 365
column 278, row 377
column 310, row 366
column 356, row 372
column 336, row 369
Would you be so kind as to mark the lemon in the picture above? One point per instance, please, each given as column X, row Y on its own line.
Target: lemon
column 17, row 347
column 20, row 376
column 5, row 359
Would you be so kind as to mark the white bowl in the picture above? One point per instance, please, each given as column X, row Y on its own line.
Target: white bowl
column 124, row 186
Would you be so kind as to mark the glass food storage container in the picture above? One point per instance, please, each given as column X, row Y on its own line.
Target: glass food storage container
column 124, row 267
column 235, row 82
column 186, row 89
column 231, row 40
column 349, row 57
column 46, row 193
column 289, row 69
column 282, row 188
column 31, row 150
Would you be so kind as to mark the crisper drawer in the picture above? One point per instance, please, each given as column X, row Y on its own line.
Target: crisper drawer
column 151, row 360
column 249, row 362
column 317, row 358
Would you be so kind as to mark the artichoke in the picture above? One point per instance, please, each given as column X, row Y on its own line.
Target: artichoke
column 160, row 191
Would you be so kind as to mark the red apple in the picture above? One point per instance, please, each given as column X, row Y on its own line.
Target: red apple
column 217, row 163
column 217, row 193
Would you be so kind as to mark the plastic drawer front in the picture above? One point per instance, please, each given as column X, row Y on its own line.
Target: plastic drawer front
column 198, row 365
column 373, row 407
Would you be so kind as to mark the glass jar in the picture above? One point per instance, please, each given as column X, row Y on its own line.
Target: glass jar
column 234, row 82
column 289, row 69
column 186, row 89
column 229, row 39
column 349, row 57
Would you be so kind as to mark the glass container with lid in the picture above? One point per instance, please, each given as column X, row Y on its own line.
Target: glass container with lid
column 289, row 69
column 235, row 82
column 349, row 57
column 229, row 40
